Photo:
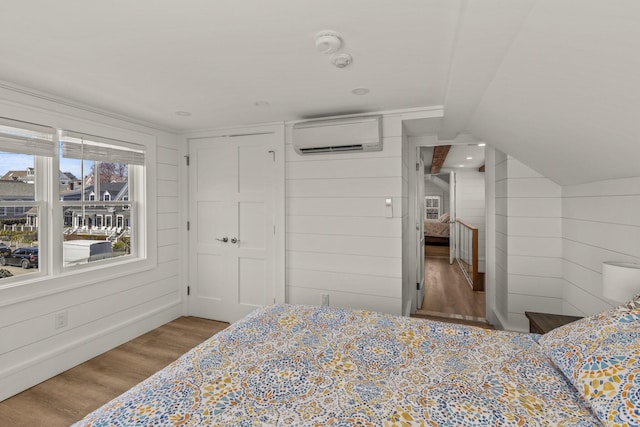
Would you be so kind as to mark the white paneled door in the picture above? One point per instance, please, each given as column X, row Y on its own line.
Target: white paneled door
column 232, row 225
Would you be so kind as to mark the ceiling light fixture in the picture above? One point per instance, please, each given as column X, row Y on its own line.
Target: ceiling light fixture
column 469, row 158
column 341, row 60
column 360, row 91
column 482, row 144
column 328, row 41
column 183, row 113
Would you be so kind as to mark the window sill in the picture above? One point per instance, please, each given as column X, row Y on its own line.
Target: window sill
column 44, row 285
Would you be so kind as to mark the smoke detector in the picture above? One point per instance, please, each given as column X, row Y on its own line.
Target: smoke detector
column 341, row 60
column 328, row 41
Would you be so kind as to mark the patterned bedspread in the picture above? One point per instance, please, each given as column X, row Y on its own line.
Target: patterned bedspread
column 320, row 366
column 435, row 228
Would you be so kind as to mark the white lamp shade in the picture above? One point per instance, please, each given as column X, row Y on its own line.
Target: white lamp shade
column 620, row 280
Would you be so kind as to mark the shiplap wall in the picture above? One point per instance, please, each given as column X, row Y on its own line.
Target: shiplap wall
column 339, row 241
column 529, row 243
column 470, row 206
column 105, row 308
column 600, row 222
column 501, row 293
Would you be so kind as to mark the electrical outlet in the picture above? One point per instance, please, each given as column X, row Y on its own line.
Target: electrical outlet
column 325, row 299
column 61, row 319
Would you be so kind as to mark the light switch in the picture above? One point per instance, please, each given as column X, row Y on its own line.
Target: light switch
column 388, row 207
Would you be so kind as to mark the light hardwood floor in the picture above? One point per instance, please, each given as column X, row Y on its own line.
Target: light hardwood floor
column 447, row 293
column 71, row 395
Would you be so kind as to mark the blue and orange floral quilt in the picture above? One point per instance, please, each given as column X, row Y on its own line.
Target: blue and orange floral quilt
column 319, row 366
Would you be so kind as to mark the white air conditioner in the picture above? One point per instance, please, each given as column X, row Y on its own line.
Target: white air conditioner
column 338, row 135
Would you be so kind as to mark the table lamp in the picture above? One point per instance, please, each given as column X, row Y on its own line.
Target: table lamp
column 620, row 280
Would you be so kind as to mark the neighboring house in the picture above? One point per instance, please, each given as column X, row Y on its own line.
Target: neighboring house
column 14, row 190
column 26, row 176
column 68, row 182
column 98, row 216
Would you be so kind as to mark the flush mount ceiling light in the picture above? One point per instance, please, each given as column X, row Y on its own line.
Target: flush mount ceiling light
column 328, row 41
column 360, row 91
column 341, row 60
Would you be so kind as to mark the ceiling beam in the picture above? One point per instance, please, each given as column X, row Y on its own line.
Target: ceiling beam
column 439, row 156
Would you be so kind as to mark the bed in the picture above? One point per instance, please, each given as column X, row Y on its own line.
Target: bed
column 437, row 230
column 321, row 366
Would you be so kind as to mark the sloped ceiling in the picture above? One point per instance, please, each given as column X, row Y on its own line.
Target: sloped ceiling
column 554, row 83
column 566, row 97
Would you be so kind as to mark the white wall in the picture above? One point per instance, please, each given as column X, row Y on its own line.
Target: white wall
column 103, row 311
column 600, row 222
column 551, row 241
column 528, row 243
column 501, row 294
column 339, row 241
column 408, row 257
column 470, row 206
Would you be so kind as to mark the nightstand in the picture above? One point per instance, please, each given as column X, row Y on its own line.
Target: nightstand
column 541, row 323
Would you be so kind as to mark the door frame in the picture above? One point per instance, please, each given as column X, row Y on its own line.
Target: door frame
column 277, row 129
column 428, row 140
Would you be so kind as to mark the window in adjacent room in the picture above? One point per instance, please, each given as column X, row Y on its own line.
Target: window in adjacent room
column 431, row 207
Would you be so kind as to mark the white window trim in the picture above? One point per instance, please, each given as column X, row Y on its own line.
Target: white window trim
column 22, row 288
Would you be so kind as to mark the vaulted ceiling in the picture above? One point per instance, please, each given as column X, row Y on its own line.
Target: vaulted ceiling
column 555, row 83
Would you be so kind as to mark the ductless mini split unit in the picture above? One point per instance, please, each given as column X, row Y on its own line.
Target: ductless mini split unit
column 338, row 135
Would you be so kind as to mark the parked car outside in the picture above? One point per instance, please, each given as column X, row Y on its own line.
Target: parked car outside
column 21, row 257
column 4, row 249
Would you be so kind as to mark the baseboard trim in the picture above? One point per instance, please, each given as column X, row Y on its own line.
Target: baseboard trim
column 44, row 366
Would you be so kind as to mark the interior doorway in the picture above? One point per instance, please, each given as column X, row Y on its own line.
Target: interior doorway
column 452, row 199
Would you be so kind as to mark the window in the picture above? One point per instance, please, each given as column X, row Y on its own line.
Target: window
column 431, row 207
column 107, row 167
column 50, row 186
column 25, row 148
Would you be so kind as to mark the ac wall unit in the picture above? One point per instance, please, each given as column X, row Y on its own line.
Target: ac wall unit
column 338, row 135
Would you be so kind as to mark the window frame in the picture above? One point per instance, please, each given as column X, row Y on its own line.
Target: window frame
column 53, row 276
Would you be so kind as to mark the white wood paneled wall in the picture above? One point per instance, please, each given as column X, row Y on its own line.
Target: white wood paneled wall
column 339, row 241
column 501, row 239
column 528, row 243
column 551, row 241
column 103, row 311
column 600, row 222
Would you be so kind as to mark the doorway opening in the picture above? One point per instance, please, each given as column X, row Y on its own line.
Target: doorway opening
column 450, row 201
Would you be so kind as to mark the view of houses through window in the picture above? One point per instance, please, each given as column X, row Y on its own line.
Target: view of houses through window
column 92, row 191
column 18, row 215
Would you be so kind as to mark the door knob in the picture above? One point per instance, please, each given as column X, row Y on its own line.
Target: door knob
column 234, row 240
column 225, row 239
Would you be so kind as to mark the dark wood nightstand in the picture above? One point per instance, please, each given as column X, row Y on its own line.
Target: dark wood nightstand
column 541, row 323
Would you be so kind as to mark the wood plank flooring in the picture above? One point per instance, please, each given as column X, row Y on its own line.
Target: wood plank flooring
column 68, row 397
column 447, row 292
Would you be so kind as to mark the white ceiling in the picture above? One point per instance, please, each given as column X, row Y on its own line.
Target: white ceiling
column 147, row 59
column 555, row 83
